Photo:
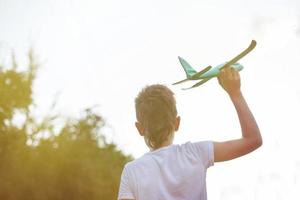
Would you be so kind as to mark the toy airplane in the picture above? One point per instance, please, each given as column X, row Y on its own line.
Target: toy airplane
column 208, row 73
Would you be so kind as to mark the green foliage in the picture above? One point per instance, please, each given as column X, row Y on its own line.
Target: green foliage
column 75, row 164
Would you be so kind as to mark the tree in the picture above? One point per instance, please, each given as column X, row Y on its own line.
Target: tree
column 75, row 164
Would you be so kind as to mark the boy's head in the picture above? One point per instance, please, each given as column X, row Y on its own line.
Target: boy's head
column 156, row 115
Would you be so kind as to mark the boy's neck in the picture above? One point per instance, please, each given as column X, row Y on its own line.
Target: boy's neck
column 165, row 144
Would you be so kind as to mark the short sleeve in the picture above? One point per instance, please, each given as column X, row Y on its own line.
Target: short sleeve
column 203, row 150
column 125, row 190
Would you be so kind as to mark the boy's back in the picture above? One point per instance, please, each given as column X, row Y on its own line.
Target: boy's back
column 172, row 172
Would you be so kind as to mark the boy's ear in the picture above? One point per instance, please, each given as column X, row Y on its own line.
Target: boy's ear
column 177, row 123
column 140, row 128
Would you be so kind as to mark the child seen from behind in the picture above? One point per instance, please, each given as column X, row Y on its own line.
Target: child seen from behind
column 177, row 172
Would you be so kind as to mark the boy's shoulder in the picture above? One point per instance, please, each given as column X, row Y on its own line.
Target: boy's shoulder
column 202, row 150
column 148, row 156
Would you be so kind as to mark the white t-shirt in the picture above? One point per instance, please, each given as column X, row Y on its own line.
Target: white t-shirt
column 175, row 172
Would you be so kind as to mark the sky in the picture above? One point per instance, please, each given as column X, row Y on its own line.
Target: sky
column 102, row 53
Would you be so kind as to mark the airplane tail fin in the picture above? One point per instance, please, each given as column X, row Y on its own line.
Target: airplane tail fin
column 189, row 71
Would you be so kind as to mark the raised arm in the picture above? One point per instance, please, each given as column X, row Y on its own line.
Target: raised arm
column 251, row 139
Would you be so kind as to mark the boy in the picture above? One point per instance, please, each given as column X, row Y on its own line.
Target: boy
column 178, row 171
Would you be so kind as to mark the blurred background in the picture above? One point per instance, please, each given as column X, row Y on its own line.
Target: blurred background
column 70, row 71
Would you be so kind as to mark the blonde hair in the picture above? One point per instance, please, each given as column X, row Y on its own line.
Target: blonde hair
column 156, row 111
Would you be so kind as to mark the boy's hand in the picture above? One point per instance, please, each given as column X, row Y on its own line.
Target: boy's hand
column 230, row 80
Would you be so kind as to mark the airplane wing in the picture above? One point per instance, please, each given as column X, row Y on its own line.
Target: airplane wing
column 189, row 71
column 195, row 76
column 198, row 74
column 241, row 55
column 181, row 81
column 198, row 84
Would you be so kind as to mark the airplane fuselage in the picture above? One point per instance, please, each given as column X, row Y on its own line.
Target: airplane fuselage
column 213, row 72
